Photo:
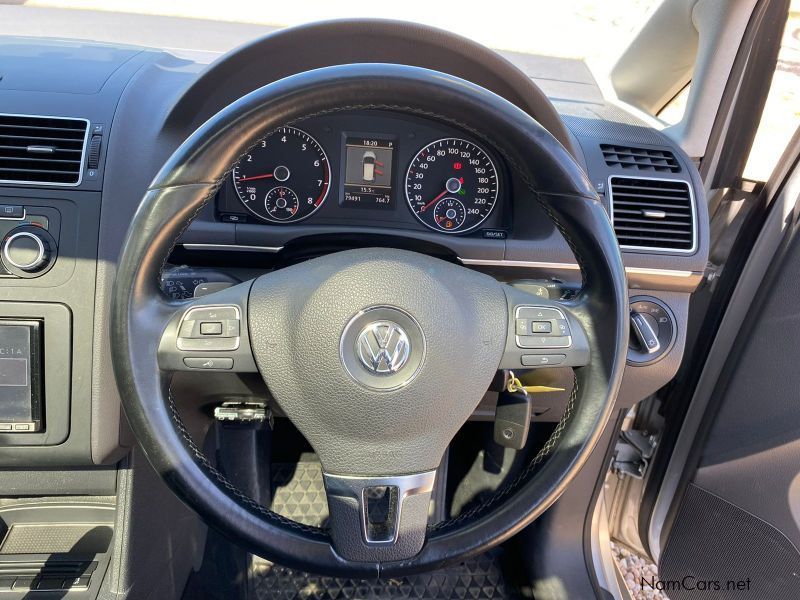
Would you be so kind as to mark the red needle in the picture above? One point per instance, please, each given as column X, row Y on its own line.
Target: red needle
column 266, row 176
column 432, row 202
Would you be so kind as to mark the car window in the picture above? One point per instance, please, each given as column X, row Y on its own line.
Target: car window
column 781, row 116
column 565, row 28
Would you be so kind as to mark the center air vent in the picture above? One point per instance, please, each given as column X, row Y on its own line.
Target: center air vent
column 653, row 214
column 640, row 159
column 41, row 150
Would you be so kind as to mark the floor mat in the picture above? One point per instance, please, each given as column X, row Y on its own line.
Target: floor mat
column 476, row 579
column 298, row 492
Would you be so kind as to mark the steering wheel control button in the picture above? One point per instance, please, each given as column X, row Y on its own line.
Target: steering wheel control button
column 382, row 348
column 210, row 328
column 543, row 341
column 652, row 330
column 209, row 343
column 542, row 360
column 523, row 326
column 562, row 327
column 208, row 363
column 213, row 313
column 549, row 328
column 232, row 328
column 539, row 313
column 541, row 327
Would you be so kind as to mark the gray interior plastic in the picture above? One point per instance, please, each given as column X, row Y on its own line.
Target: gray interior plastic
column 684, row 40
column 146, row 565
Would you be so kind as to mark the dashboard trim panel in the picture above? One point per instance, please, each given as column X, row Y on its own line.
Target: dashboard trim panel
column 232, row 248
column 533, row 264
column 637, row 276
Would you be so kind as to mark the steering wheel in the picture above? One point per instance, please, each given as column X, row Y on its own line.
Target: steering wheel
column 378, row 356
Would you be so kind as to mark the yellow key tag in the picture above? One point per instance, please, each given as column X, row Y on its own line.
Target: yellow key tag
column 539, row 389
column 515, row 385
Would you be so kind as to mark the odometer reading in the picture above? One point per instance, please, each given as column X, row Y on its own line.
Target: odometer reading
column 286, row 177
column 451, row 185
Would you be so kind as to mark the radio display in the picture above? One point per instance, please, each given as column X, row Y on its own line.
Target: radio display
column 368, row 173
column 20, row 398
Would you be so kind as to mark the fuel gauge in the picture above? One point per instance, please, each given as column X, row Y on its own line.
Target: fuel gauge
column 449, row 214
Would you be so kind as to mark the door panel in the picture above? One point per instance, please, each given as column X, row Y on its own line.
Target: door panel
column 737, row 522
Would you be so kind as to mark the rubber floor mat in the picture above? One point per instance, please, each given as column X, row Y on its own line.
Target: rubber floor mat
column 479, row 578
column 298, row 492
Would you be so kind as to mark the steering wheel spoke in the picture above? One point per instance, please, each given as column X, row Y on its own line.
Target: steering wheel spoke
column 209, row 334
column 542, row 333
column 379, row 518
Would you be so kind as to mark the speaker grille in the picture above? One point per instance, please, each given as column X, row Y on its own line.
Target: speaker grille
column 717, row 542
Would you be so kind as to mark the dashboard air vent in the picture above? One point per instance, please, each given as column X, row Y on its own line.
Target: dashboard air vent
column 42, row 150
column 653, row 214
column 640, row 159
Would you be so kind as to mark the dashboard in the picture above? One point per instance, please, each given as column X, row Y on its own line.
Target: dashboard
column 371, row 168
column 345, row 179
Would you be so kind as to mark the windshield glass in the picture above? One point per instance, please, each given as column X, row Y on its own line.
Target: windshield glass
column 567, row 28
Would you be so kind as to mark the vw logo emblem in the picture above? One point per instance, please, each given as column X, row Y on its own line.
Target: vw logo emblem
column 383, row 347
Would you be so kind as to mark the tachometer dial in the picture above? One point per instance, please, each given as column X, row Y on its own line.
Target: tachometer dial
column 286, row 177
column 451, row 185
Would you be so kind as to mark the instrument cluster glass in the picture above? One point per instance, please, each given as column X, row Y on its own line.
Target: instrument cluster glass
column 451, row 185
column 285, row 177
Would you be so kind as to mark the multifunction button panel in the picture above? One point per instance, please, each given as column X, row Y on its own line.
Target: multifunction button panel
column 542, row 333
column 210, row 337
column 210, row 329
column 540, row 327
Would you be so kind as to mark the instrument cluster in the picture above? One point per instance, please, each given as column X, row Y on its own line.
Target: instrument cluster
column 381, row 168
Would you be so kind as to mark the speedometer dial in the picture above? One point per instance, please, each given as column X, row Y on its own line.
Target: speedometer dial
column 286, row 177
column 451, row 185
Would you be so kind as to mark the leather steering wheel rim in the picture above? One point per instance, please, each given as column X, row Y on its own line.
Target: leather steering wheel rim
column 189, row 180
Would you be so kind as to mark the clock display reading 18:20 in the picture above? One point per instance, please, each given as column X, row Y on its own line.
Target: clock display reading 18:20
column 451, row 185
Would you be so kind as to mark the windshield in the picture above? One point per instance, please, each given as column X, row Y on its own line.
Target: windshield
column 567, row 28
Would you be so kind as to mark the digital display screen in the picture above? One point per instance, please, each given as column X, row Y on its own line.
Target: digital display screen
column 16, row 390
column 13, row 372
column 368, row 172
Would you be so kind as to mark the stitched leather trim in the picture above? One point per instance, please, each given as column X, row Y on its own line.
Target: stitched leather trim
column 513, row 485
column 229, row 487
column 503, row 491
